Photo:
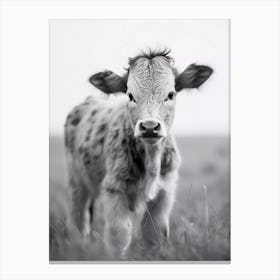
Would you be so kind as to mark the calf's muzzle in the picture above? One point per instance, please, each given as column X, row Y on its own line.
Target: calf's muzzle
column 149, row 128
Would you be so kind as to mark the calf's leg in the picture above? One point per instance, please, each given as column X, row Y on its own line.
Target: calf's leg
column 118, row 224
column 155, row 223
column 80, row 209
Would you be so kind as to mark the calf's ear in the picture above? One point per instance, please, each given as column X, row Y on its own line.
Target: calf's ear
column 193, row 77
column 108, row 82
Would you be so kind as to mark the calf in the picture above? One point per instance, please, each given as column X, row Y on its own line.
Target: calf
column 122, row 150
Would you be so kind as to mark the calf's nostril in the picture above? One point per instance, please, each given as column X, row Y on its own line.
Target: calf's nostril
column 142, row 127
column 157, row 127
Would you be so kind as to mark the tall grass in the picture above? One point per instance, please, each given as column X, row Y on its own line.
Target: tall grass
column 199, row 222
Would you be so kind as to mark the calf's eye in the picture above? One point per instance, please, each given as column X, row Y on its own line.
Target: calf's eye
column 170, row 96
column 131, row 98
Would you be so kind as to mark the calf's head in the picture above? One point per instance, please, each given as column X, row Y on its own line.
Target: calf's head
column 151, row 84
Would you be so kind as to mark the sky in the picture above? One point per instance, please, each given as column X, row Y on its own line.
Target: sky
column 80, row 48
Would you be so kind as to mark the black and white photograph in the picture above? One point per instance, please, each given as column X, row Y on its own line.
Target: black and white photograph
column 139, row 140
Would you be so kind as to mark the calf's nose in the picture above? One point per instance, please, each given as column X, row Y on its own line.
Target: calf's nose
column 149, row 128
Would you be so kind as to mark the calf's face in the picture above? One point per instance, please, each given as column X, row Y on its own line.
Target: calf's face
column 151, row 85
column 151, row 91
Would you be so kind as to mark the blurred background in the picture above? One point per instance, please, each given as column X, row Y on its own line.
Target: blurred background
column 80, row 48
column 200, row 221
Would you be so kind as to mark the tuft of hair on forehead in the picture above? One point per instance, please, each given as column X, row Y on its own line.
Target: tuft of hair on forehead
column 150, row 54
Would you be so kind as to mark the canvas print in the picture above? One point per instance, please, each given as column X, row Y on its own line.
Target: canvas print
column 139, row 140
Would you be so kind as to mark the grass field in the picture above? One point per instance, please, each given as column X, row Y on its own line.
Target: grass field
column 200, row 220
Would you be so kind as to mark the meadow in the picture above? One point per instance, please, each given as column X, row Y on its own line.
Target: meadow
column 199, row 223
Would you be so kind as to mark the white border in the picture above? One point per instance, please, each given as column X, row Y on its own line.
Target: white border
column 254, row 124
